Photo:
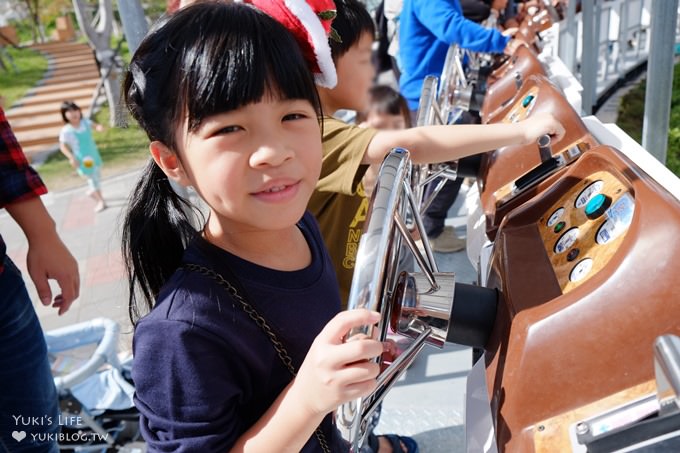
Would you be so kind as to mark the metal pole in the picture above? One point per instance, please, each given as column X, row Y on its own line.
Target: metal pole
column 568, row 39
column 659, row 78
column 134, row 22
column 589, row 48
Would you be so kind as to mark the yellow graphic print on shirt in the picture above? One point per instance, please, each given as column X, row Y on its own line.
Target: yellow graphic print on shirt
column 355, row 229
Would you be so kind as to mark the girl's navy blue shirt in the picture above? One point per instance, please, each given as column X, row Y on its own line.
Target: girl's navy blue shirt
column 204, row 372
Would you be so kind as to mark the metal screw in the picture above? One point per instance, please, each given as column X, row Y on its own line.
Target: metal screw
column 582, row 428
column 541, row 428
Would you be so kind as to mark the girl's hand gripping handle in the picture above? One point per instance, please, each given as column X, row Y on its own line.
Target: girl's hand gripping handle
column 335, row 372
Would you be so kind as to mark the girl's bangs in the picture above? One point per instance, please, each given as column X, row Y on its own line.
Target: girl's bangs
column 256, row 56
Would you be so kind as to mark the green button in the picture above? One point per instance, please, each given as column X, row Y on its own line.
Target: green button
column 559, row 227
column 527, row 100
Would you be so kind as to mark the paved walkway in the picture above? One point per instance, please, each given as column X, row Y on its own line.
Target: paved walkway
column 94, row 239
column 427, row 402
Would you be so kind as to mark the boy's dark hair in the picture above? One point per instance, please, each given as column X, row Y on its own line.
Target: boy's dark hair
column 386, row 100
column 205, row 59
column 351, row 22
column 68, row 106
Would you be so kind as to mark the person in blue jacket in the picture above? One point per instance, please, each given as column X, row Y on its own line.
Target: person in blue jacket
column 427, row 29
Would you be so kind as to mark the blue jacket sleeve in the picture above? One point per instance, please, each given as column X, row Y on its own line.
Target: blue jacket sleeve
column 444, row 18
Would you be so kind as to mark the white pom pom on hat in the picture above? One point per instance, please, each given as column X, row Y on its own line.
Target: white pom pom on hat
column 301, row 18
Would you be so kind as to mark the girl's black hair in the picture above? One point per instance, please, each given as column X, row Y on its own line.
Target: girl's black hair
column 385, row 99
column 205, row 59
column 352, row 20
column 66, row 106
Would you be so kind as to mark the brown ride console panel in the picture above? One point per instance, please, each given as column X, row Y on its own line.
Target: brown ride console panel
column 504, row 82
column 512, row 175
column 586, row 272
column 532, row 26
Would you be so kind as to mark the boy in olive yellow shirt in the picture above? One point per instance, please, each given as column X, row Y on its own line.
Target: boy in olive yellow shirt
column 349, row 149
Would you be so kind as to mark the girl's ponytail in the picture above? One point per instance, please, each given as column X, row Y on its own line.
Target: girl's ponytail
column 156, row 229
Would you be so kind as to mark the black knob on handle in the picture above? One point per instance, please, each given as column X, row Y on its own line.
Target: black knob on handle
column 544, row 148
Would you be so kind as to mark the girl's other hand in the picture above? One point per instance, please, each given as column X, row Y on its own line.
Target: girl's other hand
column 334, row 371
column 541, row 124
column 98, row 128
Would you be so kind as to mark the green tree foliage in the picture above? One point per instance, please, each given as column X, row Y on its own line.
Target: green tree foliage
column 631, row 115
column 39, row 17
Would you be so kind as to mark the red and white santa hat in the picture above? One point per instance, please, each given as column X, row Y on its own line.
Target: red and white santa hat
column 310, row 22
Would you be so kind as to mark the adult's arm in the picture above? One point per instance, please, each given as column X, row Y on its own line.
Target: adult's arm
column 48, row 257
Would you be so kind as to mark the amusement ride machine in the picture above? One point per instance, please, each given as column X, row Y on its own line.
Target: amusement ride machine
column 576, row 313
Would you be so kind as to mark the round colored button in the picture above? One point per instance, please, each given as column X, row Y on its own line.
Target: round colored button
column 559, row 227
column 573, row 253
column 581, row 270
column 597, row 206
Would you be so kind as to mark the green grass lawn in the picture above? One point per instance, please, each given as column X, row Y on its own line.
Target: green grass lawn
column 30, row 67
column 122, row 149
column 631, row 115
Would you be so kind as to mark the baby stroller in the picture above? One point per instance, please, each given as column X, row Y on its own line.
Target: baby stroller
column 94, row 387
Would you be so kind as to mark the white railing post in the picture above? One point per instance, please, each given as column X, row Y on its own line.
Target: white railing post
column 589, row 47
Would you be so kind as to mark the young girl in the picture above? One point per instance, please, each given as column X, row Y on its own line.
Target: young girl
column 77, row 144
column 242, row 346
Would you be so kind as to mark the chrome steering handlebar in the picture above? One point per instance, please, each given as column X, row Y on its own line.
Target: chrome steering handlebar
column 417, row 305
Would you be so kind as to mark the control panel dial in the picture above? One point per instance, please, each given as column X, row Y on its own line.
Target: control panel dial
column 566, row 240
column 589, row 192
column 619, row 216
column 555, row 216
column 581, row 270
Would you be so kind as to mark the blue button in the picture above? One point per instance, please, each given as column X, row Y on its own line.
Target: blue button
column 527, row 100
column 595, row 204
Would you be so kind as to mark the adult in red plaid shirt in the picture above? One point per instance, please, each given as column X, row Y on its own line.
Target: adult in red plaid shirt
column 28, row 401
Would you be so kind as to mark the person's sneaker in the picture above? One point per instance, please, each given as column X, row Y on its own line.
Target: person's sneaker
column 447, row 241
column 100, row 206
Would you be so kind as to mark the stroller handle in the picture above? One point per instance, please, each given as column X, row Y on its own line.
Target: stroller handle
column 102, row 331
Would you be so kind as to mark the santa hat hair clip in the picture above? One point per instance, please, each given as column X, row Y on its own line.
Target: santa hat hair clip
column 310, row 23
